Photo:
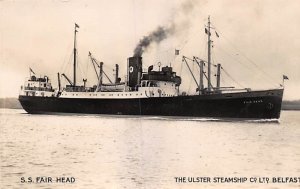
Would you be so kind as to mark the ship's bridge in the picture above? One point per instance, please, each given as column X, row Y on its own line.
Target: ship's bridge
column 156, row 88
column 166, row 74
column 37, row 86
column 162, row 83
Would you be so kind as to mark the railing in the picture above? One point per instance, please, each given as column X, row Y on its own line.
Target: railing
column 38, row 89
column 79, row 89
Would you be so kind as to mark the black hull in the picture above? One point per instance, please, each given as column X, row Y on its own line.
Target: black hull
column 252, row 105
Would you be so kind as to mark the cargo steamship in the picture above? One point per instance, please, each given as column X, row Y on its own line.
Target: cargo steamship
column 150, row 93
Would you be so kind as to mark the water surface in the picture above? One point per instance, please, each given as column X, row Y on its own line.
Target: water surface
column 145, row 152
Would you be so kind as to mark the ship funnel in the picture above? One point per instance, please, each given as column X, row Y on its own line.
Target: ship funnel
column 134, row 70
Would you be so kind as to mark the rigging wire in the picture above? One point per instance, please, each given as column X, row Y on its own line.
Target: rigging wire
column 79, row 67
column 223, row 81
column 65, row 57
column 182, row 46
column 222, row 78
column 214, row 72
column 251, row 69
column 66, row 66
column 87, row 67
column 218, row 47
column 265, row 74
column 234, row 59
column 232, row 78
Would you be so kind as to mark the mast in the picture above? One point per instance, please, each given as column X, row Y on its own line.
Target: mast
column 209, row 57
column 74, row 65
column 218, row 76
column 201, row 77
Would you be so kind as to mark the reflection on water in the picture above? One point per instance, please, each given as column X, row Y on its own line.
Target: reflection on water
column 145, row 152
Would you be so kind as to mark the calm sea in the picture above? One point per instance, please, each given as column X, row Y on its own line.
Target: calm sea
column 146, row 152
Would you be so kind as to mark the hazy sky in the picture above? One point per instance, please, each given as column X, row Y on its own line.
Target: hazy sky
column 259, row 39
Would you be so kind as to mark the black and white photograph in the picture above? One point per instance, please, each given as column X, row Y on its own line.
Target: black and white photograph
column 150, row 94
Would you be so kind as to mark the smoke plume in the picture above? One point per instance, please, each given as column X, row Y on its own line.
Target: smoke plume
column 163, row 32
column 157, row 36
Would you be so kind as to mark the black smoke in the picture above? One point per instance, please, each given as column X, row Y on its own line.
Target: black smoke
column 163, row 32
column 157, row 36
